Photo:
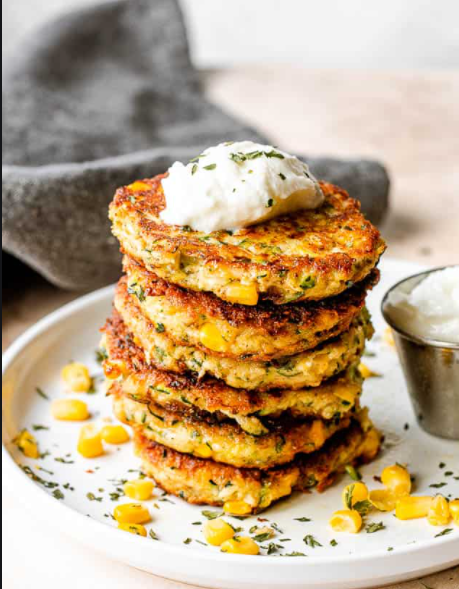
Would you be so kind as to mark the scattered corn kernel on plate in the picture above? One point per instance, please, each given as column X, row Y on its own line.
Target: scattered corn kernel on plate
column 81, row 479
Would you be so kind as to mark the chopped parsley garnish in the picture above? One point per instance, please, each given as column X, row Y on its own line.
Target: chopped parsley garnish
column 137, row 290
column 187, row 541
column 444, row 532
column 308, row 282
column 152, row 534
column 211, row 514
column 160, row 327
column 309, row 540
column 37, row 428
column 41, row 393
column 272, row 547
column 302, row 519
column 194, row 169
column 438, row 485
column 282, row 176
column 333, row 543
column 376, row 527
column 210, row 167
column 353, row 472
column 270, row 203
column 58, row 494
column 92, row 497
column 101, row 355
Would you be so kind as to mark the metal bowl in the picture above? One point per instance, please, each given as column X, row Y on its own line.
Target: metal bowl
column 431, row 369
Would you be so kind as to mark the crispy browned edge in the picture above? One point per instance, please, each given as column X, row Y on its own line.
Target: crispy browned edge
column 324, row 464
column 147, row 208
column 218, row 395
column 267, row 316
column 300, row 435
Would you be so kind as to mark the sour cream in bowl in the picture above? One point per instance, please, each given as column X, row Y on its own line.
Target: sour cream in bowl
column 423, row 312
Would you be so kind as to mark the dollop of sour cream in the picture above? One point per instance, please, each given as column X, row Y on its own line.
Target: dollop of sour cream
column 431, row 309
column 234, row 185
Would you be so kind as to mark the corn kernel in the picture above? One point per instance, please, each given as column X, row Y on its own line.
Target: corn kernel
column 114, row 370
column 89, row 442
column 438, row 514
column 131, row 513
column 27, row 443
column 69, row 410
column 237, row 508
column 388, row 337
column 139, row 489
column 136, row 529
column 318, row 433
column 354, row 493
column 210, row 336
column 240, row 545
column 77, row 378
column 203, row 451
column 139, row 186
column 411, row 507
column 344, row 393
column 397, row 479
column 366, row 372
column 382, row 499
column 217, row 531
column 346, row 520
column 114, row 434
column 454, row 510
column 244, row 294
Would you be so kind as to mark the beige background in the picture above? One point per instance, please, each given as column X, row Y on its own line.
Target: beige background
column 409, row 121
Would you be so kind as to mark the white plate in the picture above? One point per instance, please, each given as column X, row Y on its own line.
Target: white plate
column 362, row 560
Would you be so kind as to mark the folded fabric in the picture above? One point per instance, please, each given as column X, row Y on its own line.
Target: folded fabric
column 94, row 100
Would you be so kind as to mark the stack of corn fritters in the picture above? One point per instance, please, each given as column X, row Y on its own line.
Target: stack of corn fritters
column 234, row 355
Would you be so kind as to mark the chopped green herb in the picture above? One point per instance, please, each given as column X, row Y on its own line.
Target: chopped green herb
column 58, row 494
column 187, row 541
column 438, row 485
column 444, row 532
column 269, row 203
column 282, row 176
column 333, row 543
column 160, row 327
column 211, row 514
column 375, row 527
column 302, row 519
column 272, row 547
column 64, row 460
column 101, row 355
column 41, row 393
column 309, row 540
column 37, row 428
column 92, row 497
column 210, row 167
column 152, row 534
column 194, row 169
column 308, row 282
column 353, row 472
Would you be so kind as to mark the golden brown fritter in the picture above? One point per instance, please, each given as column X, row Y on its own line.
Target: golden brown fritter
column 264, row 332
column 206, row 482
column 225, row 441
column 180, row 392
column 308, row 255
column 307, row 369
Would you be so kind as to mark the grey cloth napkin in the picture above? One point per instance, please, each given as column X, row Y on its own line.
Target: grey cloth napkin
column 97, row 99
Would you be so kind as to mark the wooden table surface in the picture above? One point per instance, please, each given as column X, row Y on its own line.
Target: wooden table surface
column 410, row 121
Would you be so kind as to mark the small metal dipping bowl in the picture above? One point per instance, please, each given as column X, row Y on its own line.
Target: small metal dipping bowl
column 431, row 369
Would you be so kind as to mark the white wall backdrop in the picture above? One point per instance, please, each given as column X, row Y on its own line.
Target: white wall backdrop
column 383, row 34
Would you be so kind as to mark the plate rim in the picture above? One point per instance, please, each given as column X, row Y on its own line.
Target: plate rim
column 104, row 532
